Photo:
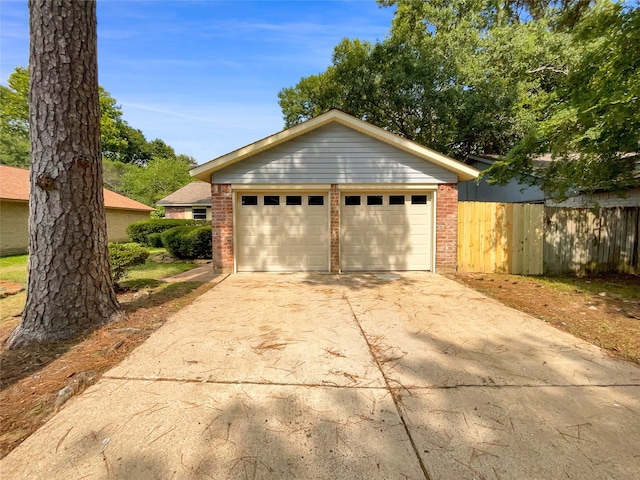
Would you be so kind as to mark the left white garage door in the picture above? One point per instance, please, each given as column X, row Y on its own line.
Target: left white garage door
column 280, row 232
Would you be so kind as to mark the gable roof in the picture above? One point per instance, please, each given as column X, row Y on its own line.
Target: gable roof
column 464, row 172
column 14, row 185
column 194, row 193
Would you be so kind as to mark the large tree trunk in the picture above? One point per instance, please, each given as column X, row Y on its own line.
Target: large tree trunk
column 70, row 287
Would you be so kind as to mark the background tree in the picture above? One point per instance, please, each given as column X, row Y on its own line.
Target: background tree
column 590, row 123
column 126, row 152
column 517, row 78
column 14, row 120
column 69, row 287
column 454, row 76
column 160, row 177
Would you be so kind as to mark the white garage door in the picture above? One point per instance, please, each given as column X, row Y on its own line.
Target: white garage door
column 386, row 231
column 279, row 232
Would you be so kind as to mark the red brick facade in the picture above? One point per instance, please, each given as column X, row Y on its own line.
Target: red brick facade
column 447, row 227
column 222, row 227
column 177, row 212
column 334, row 201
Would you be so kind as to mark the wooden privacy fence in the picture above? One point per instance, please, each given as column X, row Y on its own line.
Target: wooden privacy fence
column 528, row 239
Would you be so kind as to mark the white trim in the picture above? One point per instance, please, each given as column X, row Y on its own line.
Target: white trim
column 384, row 187
column 192, row 205
column 234, row 214
column 328, row 197
column 435, row 231
column 206, row 170
column 280, row 186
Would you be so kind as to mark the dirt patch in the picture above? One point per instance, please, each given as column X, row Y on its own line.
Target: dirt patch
column 604, row 310
column 9, row 288
column 36, row 381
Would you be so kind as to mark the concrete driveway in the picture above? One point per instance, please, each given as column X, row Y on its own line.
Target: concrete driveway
column 348, row 377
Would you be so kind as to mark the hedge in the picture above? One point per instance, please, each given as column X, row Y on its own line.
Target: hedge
column 140, row 231
column 155, row 240
column 188, row 242
column 123, row 256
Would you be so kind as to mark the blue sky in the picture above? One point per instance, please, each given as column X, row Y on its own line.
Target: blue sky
column 204, row 75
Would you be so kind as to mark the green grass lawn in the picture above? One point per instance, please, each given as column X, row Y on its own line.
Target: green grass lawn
column 151, row 272
column 14, row 269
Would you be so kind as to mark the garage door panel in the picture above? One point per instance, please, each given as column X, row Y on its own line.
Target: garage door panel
column 386, row 237
column 398, row 220
column 317, row 261
column 320, row 241
column 398, row 239
column 282, row 237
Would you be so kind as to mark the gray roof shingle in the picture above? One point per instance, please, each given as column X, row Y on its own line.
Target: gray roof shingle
column 194, row 193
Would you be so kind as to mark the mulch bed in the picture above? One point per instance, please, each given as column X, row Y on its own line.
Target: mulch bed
column 36, row 381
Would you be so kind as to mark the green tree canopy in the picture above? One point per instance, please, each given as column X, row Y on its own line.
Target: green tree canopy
column 129, row 159
column 119, row 140
column 590, row 123
column 516, row 78
column 14, row 119
column 160, row 177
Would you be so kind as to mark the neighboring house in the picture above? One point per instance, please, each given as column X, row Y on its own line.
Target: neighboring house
column 631, row 198
column 512, row 192
column 334, row 194
column 515, row 192
column 14, row 212
column 191, row 201
column 601, row 199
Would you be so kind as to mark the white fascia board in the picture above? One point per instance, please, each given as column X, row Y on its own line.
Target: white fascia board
column 384, row 187
column 280, row 186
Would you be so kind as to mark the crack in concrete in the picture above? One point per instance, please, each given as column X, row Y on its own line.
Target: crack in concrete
column 391, row 391
column 241, row 382
column 541, row 385
column 364, row 387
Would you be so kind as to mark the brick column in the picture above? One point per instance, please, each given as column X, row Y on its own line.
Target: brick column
column 447, row 227
column 222, row 227
column 334, row 201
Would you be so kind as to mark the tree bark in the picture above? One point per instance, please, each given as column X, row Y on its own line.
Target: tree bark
column 70, row 287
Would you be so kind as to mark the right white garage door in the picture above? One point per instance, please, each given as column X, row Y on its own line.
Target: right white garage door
column 386, row 231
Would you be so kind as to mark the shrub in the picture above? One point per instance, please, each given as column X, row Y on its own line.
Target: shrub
column 123, row 256
column 139, row 231
column 188, row 242
column 155, row 240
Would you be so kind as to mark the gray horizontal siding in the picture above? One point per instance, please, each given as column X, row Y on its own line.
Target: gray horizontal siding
column 334, row 154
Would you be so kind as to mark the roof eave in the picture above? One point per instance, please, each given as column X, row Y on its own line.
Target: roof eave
column 184, row 204
column 204, row 171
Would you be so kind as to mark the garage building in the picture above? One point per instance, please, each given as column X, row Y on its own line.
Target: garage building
column 334, row 194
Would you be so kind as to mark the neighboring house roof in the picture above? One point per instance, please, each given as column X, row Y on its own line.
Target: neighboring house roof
column 483, row 162
column 14, row 185
column 194, row 193
column 464, row 172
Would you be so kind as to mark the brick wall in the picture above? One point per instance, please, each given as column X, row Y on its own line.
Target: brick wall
column 177, row 212
column 334, row 202
column 222, row 227
column 447, row 227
